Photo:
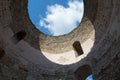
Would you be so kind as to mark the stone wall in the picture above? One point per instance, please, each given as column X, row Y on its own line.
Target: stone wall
column 25, row 61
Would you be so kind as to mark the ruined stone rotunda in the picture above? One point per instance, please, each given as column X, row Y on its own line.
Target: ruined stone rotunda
column 93, row 48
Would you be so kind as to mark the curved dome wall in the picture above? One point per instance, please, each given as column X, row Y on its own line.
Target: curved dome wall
column 23, row 57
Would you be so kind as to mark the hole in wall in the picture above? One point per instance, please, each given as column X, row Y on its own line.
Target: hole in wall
column 77, row 47
column 84, row 73
column 18, row 36
column 2, row 53
column 56, row 17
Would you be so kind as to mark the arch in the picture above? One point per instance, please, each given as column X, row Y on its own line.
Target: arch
column 83, row 72
column 18, row 36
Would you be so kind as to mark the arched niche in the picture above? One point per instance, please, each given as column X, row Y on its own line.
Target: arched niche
column 18, row 36
column 77, row 47
column 83, row 72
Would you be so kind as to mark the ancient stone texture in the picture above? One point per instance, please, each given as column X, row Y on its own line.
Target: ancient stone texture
column 24, row 61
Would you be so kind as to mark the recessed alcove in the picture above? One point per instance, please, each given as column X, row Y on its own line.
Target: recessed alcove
column 18, row 36
column 83, row 72
column 2, row 53
column 78, row 48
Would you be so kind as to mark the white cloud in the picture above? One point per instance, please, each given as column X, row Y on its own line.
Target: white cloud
column 60, row 20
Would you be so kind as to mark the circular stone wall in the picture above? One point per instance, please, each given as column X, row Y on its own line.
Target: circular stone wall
column 47, row 43
column 26, row 60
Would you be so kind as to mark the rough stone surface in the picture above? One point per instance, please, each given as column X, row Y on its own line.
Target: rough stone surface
column 25, row 61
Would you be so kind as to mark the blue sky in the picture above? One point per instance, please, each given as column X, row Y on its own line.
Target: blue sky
column 55, row 17
column 89, row 77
